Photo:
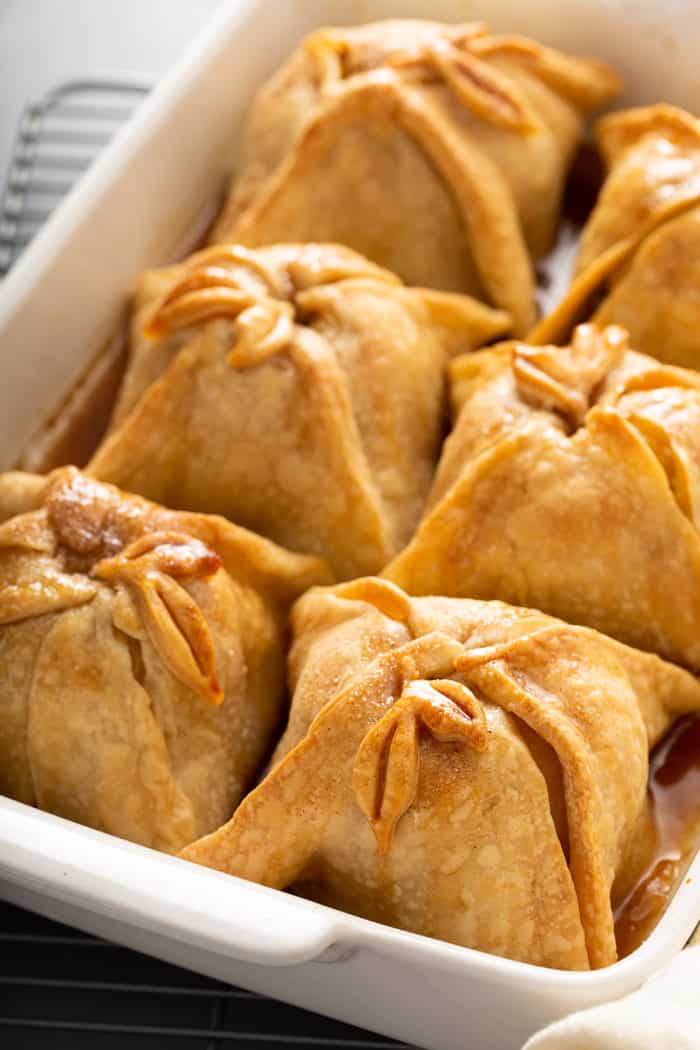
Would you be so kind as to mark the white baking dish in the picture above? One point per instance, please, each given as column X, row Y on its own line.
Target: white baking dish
column 58, row 306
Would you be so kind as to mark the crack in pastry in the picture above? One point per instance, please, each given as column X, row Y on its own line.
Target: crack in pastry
column 296, row 389
column 637, row 261
column 482, row 782
column 468, row 135
column 570, row 483
column 141, row 658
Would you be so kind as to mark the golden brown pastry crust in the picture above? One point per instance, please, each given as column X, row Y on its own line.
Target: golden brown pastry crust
column 298, row 390
column 462, row 769
column 142, row 660
column 571, row 483
column 638, row 260
column 468, row 134
column 20, row 491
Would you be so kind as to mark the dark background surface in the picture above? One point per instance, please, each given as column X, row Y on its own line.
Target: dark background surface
column 64, row 990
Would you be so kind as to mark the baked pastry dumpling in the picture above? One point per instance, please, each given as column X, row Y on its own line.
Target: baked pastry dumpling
column 639, row 258
column 461, row 769
column 438, row 151
column 20, row 491
column 141, row 659
column 298, row 390
column 571, row 483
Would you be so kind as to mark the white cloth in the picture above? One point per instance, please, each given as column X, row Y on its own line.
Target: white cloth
column 663, row 1015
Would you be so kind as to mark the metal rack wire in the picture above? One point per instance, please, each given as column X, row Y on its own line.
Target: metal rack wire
column 61, row 989
column 59, row 136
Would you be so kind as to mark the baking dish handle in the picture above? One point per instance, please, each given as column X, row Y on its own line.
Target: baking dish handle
column 48, row 857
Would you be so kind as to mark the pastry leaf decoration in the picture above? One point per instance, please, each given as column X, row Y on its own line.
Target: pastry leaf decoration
column 262, row 330
column 563, row 379
column 454, row 57
column 488, row 93
column 264, row 307
column 213, row 273
column 150, row 568
column 199, row 297
column 385, row 596
column 226, row 256
column 264, row 325
column 385, row 774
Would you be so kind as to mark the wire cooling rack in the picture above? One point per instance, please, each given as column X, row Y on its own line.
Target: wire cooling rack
column 59, row 136
column 68, row 991
column 60, row 989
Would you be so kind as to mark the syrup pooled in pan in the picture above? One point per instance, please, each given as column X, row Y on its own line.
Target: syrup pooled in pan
column 674, row 790
column 73, row 431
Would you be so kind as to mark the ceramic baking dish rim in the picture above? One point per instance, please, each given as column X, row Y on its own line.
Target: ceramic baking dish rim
column 334, row 930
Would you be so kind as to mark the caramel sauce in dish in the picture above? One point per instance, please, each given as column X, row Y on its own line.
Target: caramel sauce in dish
column 73, row 431
column 674, row 789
